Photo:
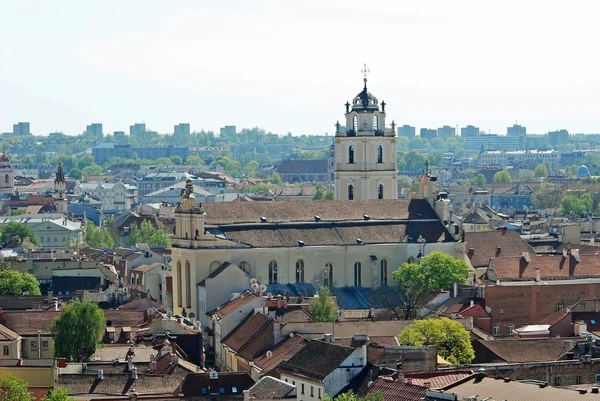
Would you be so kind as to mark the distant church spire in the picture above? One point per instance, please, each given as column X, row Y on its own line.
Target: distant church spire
column 60, row 173
column 60, row 190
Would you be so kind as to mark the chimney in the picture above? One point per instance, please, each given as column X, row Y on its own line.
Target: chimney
column 152, row 361
column 130, row 363
column 565, row 252
column 595, row 390
column 328, row 338
column 427, row 384
column 537, row 274
column 526, row 256
column 246, row 395
column 575, row 253
column 100, row 375
column 455, row 290
column 276, row 332
column 134, row 374
column 408, row 380
column 472, row 303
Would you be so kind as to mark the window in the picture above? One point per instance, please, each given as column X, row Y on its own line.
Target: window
column 379, row 154
column 380, row 191
column 300, row 271
column 558, row 307
column 273, row 272
column 179, row 285
column 511, row 329
column 357, row 274
column 350, row 192
column 312, row 391
column 302, row 388
column 577, row 379
column 523, row 324
column 592, row 321
column 221, row 390
column 354, row 124
column 556, row 381
column 384, row 272
column 319, row 392
column 375, row 122
column 329, row 275
column 5, row 350
column 597, row 378
column 45, row 345
column 33, row 346
column 351, row 154
column 496, row 330
column 188, row 281
column 234, row 390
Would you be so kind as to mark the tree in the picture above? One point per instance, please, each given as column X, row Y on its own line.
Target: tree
column 58, row 394
column 77, row 330
column 547, row 197
column 16, row 229
column 328, row 194
column 436, row 271
column 572, row 205
column 98, row 238
column 75, row 173
column 146, row 233
column 541, row 171
column 319, row 191
column 94, row 169
column 275, row 179
column 14, row 389
column 176, row 159
column 350, row 396
column 194, row 160
column 324, row 308
column 479, row 180
column 14, row 282
column 452, row 340
column 502, row 177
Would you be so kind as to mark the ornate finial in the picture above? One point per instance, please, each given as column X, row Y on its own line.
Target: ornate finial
column 337, row 126
column 347, row 107
column 383, row 106
column 365, row 71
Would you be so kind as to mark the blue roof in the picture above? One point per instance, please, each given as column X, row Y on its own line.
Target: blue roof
column 364, row 298
column 295, row 289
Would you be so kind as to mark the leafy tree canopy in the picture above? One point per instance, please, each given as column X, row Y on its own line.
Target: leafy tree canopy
column 452, row 340
column 98, row 238
column 350, row 396
column 502, row 177
column 479, row 180
column 146, row 233
column 14, row 389
column 571, row 204
column 58, row 394
column 77, row 330
column 14, row 282
column 16, row 229
column 324, row 308
column 541, row 171
column 75, row 173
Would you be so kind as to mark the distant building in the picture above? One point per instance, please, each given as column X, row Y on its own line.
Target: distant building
column 119, row 136
column 407, row 131
column 303, row 170
column 156, row 181
column 427, row 133
column 516, row 130
column 95, row 130
column 228, row 130
column 493, row 142
column 104, row 151
column 21, row 129
column 446, row 131
column 469, row 131
column 182, row 129
column 7, row 175
column 512, row 158
column 116, row 197
column 557, row 138
column 137, row 129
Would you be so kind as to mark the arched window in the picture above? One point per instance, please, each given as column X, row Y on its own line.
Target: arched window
column 245, row 266
column 273, row 272
column 300, row 271
column 179, row 285
column 188, row 288
column 375, row 122
column 357, row 274
column 379, row 154
column 350, row 192
column 6, row 179
column 328, row 274
column 384, row 273
column 355, row 123
column 351, row 154
column 380, row 191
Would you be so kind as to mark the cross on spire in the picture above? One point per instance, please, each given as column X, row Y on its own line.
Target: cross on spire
column 365, row 71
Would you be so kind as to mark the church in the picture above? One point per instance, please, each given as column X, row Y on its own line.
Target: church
column 359, row 239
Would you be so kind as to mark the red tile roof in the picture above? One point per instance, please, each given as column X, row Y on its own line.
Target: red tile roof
column 551, row 267
column 396, row 390
column 252, row 336
column 437, row 379
column 316, row 360
column 283, row 351
column 233, row 304
column 485, row 246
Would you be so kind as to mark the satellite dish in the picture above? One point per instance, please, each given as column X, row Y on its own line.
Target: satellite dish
column 255, row 287
column 262, row 288
column 253, row 281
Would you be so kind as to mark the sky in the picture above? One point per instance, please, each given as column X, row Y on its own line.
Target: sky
column 289, row 66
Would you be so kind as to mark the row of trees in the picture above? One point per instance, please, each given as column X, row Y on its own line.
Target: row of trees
column 13, row 388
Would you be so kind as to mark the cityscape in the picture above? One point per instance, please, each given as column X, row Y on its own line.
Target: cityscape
column 364, row 252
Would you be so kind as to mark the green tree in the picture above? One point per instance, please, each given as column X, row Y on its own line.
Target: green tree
column 324, row 308
column 328, row 194
column 319, row 191
column 146, row 233
column 15, row 282
column 350, row 396
column 58, row 394
column 176, row 159
column 479, row 180
column 96, row 237
column 541, row 171
column 571, row 204
column 452, row 340
column 77, row 330
column 470, row 173
column 16, row 229
column 91, row 170
column 275, row 179
column 502, row 177
column 250, row 168
column 75, row 173
column 194, row 160
column 14, row 389
column 442, row 270
column 547, row 197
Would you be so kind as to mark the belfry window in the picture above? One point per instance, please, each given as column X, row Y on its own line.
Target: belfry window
column 375, row 122
column 328, row 275
column 273, row 272
column 350, row 192
column 355, row 123
column 351, row 154
column 384, row 272
column 379, row 154
column 380, row 191
column 357, row 274
column 300, row 271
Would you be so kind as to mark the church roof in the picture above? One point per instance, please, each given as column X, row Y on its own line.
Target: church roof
column 365, row 101
column 60, row 173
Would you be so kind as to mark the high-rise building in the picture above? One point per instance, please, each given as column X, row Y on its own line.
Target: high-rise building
column 557, row 138
column 21, row 128
column 228, row 130
column 119, row 136
column 137, row 129
column 446, row 131
column 365, row 154
column 95, row 130
column 182, row 129
column 427, row 133
column 516, row 130
column 469, row 131
column 407, row 131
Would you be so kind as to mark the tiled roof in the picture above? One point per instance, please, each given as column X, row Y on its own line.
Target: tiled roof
column 255, row 334
column 381, row 341
column 141, row 304
column 364, row 297
column 552, row 267
column 523, row 351
column 145, row 268
column 303, row 167
column 7, row 334
column 485, row 246
column 437, row 379
column 269, row 388
column 295, row 289
column 584, row 249
column 317, row 359
column 200, row 384
column 396, row 390
column 283, row 351
column 233, row 304
column 555, row 317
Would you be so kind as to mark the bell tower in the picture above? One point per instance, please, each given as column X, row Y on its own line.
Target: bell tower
column 60, row 190
column 7, row 179
column 365, row 153
column 189, row 219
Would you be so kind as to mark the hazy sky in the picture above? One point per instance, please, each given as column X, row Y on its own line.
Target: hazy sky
column 291, row 65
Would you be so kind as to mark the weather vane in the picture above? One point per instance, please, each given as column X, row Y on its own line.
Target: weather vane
column 365, row 71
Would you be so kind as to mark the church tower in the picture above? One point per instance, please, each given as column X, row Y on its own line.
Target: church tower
column 7, row 179
column 365, row 152
column 60, row 190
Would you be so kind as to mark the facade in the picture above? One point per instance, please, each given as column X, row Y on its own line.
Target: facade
column 493, row 142
column 407, row 131
column 21, row 128
column 228, row 130
column 152, row 279
column 137, row 129
column 95, row 130
column 516, row 198
column 558, row 138
column 157, row 181
column 427, row 133
column 519, row 157
column 7, row 175
column 446, row 131
column 52, row 230
column 104, row 151
column 365, row 154
column 469, row 131
column 182, row 130
column 172, row 194
column 303, row 170
column 516, row 130
column 116, row 197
